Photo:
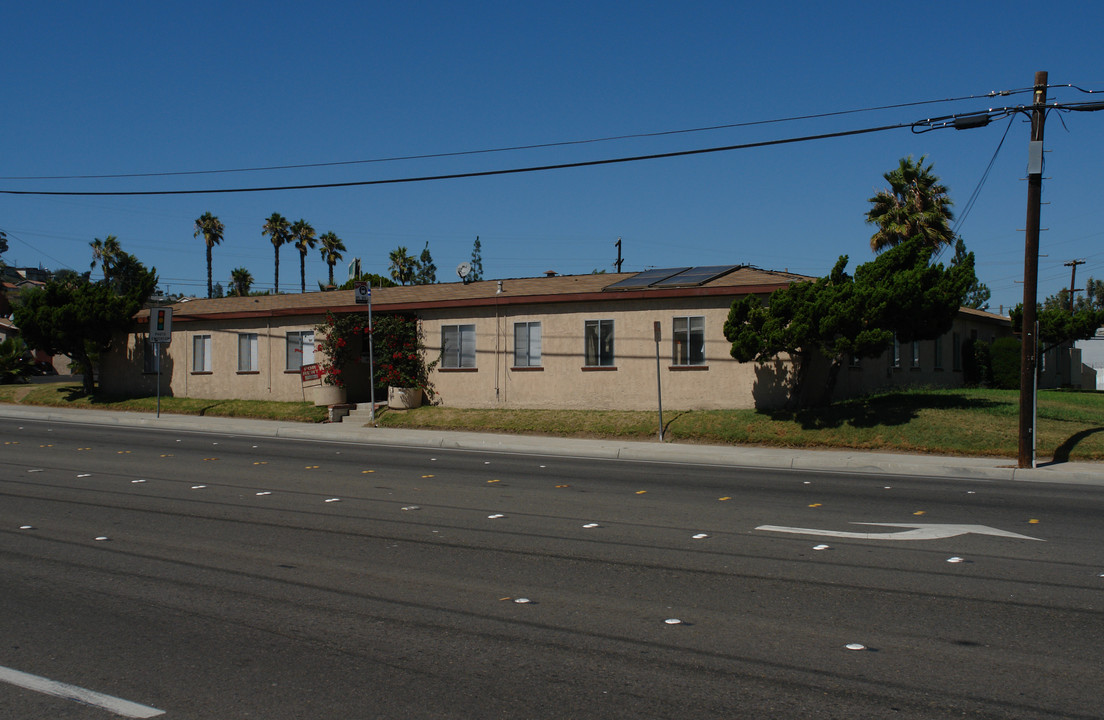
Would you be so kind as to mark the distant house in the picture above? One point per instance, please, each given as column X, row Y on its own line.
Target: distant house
column 7, row 329
column 575, row 341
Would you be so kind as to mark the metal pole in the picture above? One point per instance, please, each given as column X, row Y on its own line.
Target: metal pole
column 659, row 383
column 1029, row 348
column 371, row 360
column 157, row 359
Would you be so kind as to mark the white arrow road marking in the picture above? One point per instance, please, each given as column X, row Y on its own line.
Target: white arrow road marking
column 925, row 531
column 116, row 705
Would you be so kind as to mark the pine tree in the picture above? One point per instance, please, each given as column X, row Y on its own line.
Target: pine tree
column 476, row 273
column 427, row 270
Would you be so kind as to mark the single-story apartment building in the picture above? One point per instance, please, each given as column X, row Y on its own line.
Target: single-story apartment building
column 576, row 341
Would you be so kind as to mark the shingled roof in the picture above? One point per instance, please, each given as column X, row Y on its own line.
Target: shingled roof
column 741, row 280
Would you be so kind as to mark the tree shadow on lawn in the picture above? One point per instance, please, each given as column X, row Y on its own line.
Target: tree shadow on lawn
column 888, row 409
column 1062, row 452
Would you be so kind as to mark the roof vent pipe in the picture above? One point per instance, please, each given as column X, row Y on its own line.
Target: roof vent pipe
column 499, row 292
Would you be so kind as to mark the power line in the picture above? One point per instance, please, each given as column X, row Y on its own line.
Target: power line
column 474, row 174
column 513, row 148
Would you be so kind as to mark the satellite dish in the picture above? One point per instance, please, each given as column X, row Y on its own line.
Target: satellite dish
column 463, row 270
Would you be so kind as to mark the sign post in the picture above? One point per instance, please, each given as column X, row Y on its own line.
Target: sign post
column 160, row 332
column 362, row 292
column 659, row 383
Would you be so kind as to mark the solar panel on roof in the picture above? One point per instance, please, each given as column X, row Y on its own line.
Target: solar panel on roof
column 646, row 278
column 695, row 276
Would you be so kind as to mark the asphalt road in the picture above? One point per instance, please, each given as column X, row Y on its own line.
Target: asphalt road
column 244, row 577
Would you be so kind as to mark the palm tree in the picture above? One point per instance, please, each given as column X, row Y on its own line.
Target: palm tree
column 331, row 247
column 303, row 234
column 106, row 252
column 914, row 204
column 240, row 282
column 403, row 266
column 276, row 227
column 211, row 228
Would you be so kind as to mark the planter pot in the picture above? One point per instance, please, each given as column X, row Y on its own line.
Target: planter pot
column 404, row 398
column 329, row 395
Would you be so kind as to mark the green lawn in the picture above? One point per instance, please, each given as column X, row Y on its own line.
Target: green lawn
column 944, row 422
column 72, row 396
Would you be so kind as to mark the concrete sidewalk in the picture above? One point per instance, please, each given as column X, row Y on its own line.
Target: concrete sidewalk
column 849, row 461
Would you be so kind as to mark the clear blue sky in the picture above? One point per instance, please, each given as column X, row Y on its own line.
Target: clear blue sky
column 95, row 89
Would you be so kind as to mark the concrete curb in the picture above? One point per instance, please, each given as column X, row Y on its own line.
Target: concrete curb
column 851, row 462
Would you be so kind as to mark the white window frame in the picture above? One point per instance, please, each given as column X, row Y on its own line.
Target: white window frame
column 201, row 353
column 594, row 332
column 527, row 344
column 687, row 339
column 298, row 347
column 915, row 353
column 248, row 352
column 458, row 347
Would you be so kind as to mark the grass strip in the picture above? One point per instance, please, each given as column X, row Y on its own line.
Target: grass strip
column 974, row 422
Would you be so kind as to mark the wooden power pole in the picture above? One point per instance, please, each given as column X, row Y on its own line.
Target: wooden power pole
column 1026, row 458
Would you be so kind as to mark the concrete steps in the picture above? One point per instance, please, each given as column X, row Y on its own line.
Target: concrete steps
column 359, row 414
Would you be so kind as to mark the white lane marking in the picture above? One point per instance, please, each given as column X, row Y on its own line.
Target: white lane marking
column 924, row 531
column 116, row 705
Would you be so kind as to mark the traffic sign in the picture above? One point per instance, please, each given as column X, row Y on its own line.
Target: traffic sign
column 362, row 292
column 161, row 325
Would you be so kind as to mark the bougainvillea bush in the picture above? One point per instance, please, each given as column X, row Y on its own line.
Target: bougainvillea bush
column 399, row 355
column 338, row 341
column 398, row 349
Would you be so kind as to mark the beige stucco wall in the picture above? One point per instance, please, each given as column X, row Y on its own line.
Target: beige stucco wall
column 873, row 375
column 562, row 381
column 122, row 371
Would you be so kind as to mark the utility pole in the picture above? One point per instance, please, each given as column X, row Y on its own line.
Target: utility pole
column 1029, row 331
column 1073, row 275
column 619, row 260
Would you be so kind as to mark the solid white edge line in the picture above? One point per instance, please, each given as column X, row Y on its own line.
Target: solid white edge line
column 116, row 705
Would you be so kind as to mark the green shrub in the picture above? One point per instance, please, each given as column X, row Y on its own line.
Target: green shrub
column 15, row 360
column 1004, row 356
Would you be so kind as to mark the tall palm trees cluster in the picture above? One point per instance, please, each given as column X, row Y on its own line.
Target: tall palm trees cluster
column 279, row 231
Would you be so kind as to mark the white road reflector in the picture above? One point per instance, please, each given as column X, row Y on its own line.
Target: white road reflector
column 673, row 621
column 125, row 708
column 855, row 646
